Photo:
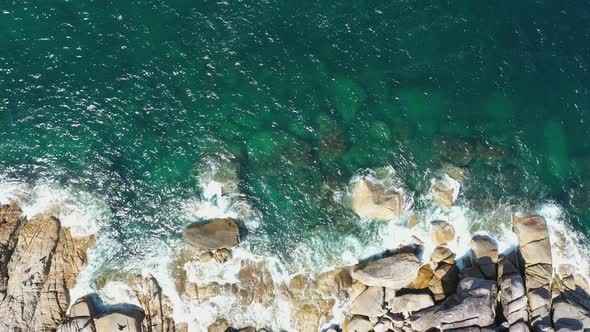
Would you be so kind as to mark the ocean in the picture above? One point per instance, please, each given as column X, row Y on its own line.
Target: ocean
column 132, row 115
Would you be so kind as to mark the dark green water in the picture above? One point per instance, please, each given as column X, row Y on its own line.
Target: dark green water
column 125, row 99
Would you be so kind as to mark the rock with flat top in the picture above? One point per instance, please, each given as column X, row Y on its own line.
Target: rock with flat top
column 369, row 303
column 213, row 234
column 360, row 324
column 410, row 302
column 123, row 320
column 395, row 271
column 513, row 297
column 373, row 201
column 485, row 253
column 535, row 249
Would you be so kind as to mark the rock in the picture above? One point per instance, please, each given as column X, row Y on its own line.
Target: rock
column 124, row 320
column 206, row 256
column 78, row 324
column 307, row 318
column 383, row 325
column 422, row 281
column 571, row 305
column 442, row 232
column 369, row 303
column 459, row 152
column 444, row 281
column 357, row 289
column 413, row 220
column 410, row 302
column 443, row 195
column 570, row 316
column 222, row 255
column 248, row 329
column 220, row 325
column 442, row 254
column 28, row 270
column 373, row 201
column 359, row 324
column 474, row 304
column 156, row 306
column 182, row 327
column 213, row 234
column 512, row 292
column 11, row 219
column 395, row 271
column 485, row 253
column 535, row 248
column 83, row 307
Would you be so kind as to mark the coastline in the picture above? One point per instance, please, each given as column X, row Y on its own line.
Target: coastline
column 216, row 289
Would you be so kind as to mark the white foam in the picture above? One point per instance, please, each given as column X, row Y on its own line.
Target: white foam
column 80, row 211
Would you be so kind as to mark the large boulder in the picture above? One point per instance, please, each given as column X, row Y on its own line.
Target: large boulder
column 442, row 232
column 213, row 234
column 11, row 219
column 395, row 271
column 474, row 304
column 569, row 315
column 156, row 306
column 369, row 303
column 485, row 253
column 535, row 249
column 410, row 302
column 373, row 201
column 359, row 324
column 78, row 324
column 123, row 320
column 512, row 294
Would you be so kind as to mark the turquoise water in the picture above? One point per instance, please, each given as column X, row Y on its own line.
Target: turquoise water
column 125, row 100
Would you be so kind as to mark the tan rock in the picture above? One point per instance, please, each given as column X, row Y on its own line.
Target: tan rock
column 156, row 306
column 11, row 219
column 422, row 281
column 213, row 234
column 220, row 325
column 222, row 255
column 78, row 324
column 485, row 253
column 443, row 195
column 414, row 220
column 83, row 307
column 442, row 232
column 442, row 254
column 359, row 324
column 373, row 201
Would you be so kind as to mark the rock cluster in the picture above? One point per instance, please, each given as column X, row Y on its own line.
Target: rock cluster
column 513, row 291
column 39, row 264
column 372, row 200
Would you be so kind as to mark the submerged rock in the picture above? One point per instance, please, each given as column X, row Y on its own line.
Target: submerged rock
column 373, row 201
column 395, row 271
column 535, row 248
column 213, row 234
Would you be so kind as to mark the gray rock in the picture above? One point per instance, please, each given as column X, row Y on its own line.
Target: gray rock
column 512, row 294
column 360, row 324
column 411, row 302
column 127, row 320
column 394, row 272
column 535, row 248
column 474, row 304
column 83, row 307
column 78, row 324
column 213, row 234
column 569, row 314
column 369, row 303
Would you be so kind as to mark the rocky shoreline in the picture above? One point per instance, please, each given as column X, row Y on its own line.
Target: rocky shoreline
column 399, row 290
